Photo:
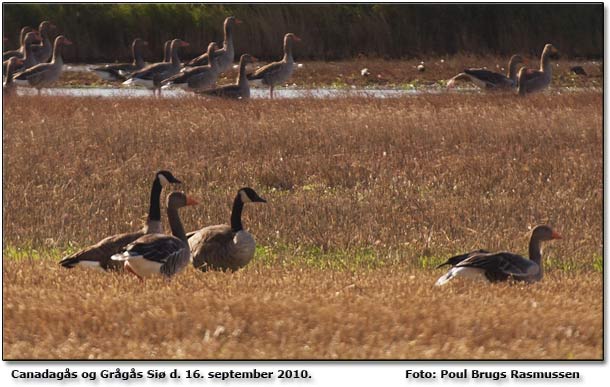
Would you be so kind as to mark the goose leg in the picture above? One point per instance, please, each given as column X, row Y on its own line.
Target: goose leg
column 271, row 90
column 129, row 269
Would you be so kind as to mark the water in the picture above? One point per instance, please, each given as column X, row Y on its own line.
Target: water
column 257, row 93
column 282, row 93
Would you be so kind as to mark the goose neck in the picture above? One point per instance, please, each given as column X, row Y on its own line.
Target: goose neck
column 535, row 253
column 238, row 206
column 176, row 224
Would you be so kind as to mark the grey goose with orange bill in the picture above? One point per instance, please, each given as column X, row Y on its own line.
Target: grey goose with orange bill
column 239, row 90
column 490, row 80
column 502, row 266
column 224, row 56
column 159, row 254
column 278, row 72
column 120, row 71
column 44, row 74
column 20, row 52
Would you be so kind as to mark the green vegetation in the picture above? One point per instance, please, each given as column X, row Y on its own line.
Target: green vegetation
column 329, row 32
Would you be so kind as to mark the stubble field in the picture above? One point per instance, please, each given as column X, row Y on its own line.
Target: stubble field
column 364, row 196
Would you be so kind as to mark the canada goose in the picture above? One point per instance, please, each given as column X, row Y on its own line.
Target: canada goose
column 224, row 247
column 19, row 53
column 199, row 77
column 44, row 50
column 119, row 71
column 277, row 72
column 530, row 80
column 98, row 255
column 502, row 266
column 152, row 75
column 239, row 90
column 161, row 254
column 486, row 79
column 44, row 74
column 223, row 56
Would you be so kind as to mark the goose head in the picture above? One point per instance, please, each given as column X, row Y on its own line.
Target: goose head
column 544, row 233
column 32, row 37
column 248, row 195
column 550, row 51
column 247, row 58
column 179, row 43
column 62, row 41
column 45, row 27
column 291, row 37
column 178, row 199
column 137, row 42
column 166, row 177
column 231, row 21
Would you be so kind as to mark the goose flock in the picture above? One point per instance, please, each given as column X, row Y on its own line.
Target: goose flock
column 229, row 247
column 200, row 74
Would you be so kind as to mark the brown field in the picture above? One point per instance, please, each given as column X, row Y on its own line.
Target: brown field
column 392, row 73
column 364, row 198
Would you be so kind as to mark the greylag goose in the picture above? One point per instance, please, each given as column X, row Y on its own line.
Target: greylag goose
column 530, row 80
column 486, row 79
column 44, row 74
column 98, row 255
column 8, row 87
column 28, row 59
column 152, row 75
column 502, row 266
column 226, row 54
column 277, row 72
column 159, row 254
column 43, row 52
column 120, row 71
column 240, row 90
column 199, row 77
column 224, row 247
column 20, row 52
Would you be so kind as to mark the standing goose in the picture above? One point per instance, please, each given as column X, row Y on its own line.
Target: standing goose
column 486, row 79
column 28, row 58
column 152, row 75
column 530, row 80
column 8, row 87
column 158, row 253
column 43, row 52
column 501, row 266
column 224, row 247
column 199, row 77
column 120, row 71
column 44, row 74
column 277, row 72
column 19, row 53
column 240, row 90
column 98, row 255
column 226, row 54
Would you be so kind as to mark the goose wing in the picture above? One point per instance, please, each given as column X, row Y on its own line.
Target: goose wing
column 268, row 70
column 500, row 266
column 487, row 76
column 203, row 58
column 155, row 70
column 210, row 246
column 155, row 247
column 98, row 255
column 459, row 258
column 34, row 74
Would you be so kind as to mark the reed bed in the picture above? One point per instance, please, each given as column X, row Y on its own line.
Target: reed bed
column 364, row 197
